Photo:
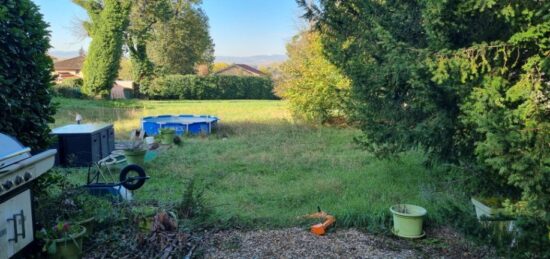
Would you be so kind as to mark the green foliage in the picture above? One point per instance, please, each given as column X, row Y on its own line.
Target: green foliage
column 126, row 70
column 143, row 15
column 182, row 42
column 69, row 88
column 315, row 89
column 72, row 82
column 465, row 80
column 25, row 74
column 68, row 91
column 192, row 87
column 108, row 20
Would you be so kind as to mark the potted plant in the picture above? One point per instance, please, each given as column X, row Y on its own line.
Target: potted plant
column 64, row 240
column 144, row 217
column 167, row 136
column 408, row 220
column 135, row 151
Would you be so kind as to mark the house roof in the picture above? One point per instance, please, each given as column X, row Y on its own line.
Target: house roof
column 247, row 68
column 70, row 64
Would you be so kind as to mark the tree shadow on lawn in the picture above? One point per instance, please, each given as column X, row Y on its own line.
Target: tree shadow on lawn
column 267, row 174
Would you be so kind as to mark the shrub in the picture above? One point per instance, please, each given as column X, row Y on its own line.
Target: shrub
column 192, row 87
column 25, row 73
column 68, row 91
column 72, row 82
column 314, row 88
column 69, row 88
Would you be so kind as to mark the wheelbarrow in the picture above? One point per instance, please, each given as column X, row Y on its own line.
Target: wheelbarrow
column 100, row 180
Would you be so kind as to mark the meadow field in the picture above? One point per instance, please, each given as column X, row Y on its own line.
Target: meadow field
column 262, row 169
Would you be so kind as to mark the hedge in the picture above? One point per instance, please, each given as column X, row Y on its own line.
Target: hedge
column 25, row 74
column 69, row 88
column 193, row 87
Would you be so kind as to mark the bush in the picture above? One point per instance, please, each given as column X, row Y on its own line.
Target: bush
column 192, row 87
column 314, row 88
column 68, row 91
column 69, row 88
column 25, row 74
column 72, row 82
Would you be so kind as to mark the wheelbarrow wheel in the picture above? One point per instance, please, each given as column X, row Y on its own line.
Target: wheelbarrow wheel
column 132, row 177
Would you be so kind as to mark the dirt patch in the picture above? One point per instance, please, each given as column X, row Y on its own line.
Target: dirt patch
column 348, row 243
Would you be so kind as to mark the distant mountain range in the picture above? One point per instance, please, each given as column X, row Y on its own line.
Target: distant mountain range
column 251, row 60
column 60, row 54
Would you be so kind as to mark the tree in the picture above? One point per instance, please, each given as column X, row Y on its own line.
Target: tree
column 25, row 74
column 314, row 87
column 108, row 20
column 126, row 69
column 143, row 15
column 465, row 79
column 217, row 66
column 183, row 42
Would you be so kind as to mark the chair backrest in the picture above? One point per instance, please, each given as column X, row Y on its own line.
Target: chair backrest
column 179, row 128
column 164, row 116
column 147, row 118
column 151, row 128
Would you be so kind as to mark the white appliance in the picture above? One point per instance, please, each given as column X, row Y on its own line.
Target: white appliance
column 18, row 168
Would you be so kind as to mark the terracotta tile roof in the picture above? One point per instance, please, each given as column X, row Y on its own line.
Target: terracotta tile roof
column 244, row 67
column 70, row 64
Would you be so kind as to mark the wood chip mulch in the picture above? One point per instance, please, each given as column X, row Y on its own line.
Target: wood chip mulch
column 341, row 243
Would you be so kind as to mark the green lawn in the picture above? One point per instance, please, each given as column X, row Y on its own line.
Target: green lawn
column 262, row 169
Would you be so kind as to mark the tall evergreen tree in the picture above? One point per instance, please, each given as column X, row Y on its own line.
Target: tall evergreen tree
column 25, row 73
column 465, row 79
column 108, row 21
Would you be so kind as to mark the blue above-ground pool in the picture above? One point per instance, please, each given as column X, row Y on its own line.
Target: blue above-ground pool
column 182, row 124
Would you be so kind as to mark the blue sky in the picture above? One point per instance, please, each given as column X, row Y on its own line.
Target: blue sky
column 238, row 27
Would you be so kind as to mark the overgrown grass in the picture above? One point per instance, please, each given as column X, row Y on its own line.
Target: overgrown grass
column 261, row 169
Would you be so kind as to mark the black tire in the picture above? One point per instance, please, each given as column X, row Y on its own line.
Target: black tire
column 129, row 183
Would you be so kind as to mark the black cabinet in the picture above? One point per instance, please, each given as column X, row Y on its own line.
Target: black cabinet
column 84, row 144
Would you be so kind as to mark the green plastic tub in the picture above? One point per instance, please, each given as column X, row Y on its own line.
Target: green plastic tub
column 408, row 220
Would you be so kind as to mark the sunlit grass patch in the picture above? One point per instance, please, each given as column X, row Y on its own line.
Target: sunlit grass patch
column 262, row 169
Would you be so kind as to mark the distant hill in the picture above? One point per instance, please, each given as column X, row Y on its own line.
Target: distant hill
column 253, row 60
column 60, row 54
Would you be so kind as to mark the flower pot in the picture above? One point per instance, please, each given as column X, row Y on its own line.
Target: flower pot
column 68, row 247
column 136, row 157
column 150, row 140
column 167, row 138
column 408, row 220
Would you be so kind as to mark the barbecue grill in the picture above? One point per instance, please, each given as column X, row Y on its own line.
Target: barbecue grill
column 18, row 168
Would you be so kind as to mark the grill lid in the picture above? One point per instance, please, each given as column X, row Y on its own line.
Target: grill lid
column 11, row 151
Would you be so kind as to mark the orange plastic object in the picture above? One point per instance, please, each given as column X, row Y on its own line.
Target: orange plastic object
column 321, row 228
